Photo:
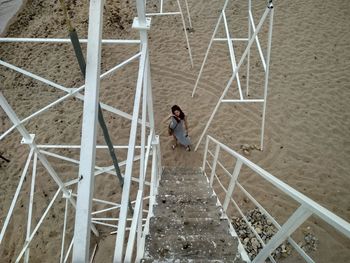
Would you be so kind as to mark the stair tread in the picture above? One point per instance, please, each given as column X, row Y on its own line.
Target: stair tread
column 201, row 246
column 187, row 224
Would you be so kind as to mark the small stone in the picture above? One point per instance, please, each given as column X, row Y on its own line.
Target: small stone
column 245, row 241
column 245, row 146
column 258, row 230
column 246, row 152
column 255, row 244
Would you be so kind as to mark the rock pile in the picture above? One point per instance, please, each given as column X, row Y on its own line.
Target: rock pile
column 310, row 242
column 247, row 149
column 264, row 228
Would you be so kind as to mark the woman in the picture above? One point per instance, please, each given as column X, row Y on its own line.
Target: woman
column 179, row 127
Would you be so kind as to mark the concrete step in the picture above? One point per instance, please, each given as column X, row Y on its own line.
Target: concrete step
column 187, row 200
column 182, row 182
column 184, row 177
column 197, row 247
column 190, row 211
column 176, row 171
column 162, row 225
column 190, row 260
column 185, row 190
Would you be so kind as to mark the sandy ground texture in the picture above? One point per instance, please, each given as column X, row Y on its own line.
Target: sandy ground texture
column 307, row 142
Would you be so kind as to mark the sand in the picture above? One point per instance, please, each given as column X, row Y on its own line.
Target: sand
column 307, row 141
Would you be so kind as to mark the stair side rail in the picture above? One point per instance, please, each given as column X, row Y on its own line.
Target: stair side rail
column 307, row 207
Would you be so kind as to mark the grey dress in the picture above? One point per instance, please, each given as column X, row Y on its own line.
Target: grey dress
column 179, row 131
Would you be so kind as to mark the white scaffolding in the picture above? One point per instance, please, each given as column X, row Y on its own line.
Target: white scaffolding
column 86, row 219
column 252, row 37
column 161, row 12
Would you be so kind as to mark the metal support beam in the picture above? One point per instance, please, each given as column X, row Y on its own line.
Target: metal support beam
column 262, row 20
column 89, row 132
column 232, row 183
column 267, row 75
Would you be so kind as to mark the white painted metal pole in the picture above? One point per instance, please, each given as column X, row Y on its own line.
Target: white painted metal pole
column 232, row 183
column 33, row 76
column 143, row 129
column 213, row 167
column 205, row 154
column 66, row 40
column 185, row 31
column 68, row 251
column 27, row 243
column 242, row 101
column 118, row 252
column 30, row 206
column 64, row 230
column 206, row 54
column 143, row 27
column 153, row 187
column 71, row 91
column 133, row 228
column 233, row 76
column 149, row 96
column 249, row 36
column 159, row 159
column 89, row 132
column 267, row 76
column 232, row 55
column 28, row 139
column 14, row 199
column 188, row 14
column 257, row 41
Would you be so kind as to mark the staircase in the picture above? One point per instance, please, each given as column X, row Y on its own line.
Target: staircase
column 186, row 226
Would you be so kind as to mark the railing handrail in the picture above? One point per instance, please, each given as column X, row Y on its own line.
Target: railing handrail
column 331, row 218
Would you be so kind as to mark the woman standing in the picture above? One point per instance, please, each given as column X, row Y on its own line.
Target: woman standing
column 179, row 127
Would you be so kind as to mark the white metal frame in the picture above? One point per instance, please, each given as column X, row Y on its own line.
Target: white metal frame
column 85, row 219
column 252, row 37
column 307, row 206
column 161, row 12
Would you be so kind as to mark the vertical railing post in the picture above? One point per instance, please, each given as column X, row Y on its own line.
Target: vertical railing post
column 293, row 222
column 64, row 226
column 205, row 154
column 185, row 31
column 155, row 168
column 270, row 6
column 159, row 159
column 30, row 207
column 213, row 167
column 188, row 13
column 232, row 183
column 249, row 36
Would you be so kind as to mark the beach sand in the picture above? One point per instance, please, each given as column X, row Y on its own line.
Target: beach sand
column 306, row 144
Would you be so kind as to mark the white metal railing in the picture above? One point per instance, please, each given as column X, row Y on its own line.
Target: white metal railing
column 307, row 207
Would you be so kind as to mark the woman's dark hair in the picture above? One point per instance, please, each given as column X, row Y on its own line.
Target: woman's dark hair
column 175, row 108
